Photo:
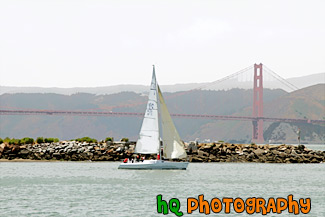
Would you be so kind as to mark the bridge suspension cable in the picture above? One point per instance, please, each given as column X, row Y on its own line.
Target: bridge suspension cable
column 225, row 78
column 289, row 85
column 194, row 89
column 280, row 79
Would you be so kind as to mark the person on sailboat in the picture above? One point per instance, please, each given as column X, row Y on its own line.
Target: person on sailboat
column 130, row 157
column 160, row 155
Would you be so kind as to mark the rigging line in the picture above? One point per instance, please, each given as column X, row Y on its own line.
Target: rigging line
column 226, row 78
column 281, row 79
column 211, row 83
column 296, row 88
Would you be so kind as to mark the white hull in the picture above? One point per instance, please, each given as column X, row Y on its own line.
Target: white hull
column 154, row 165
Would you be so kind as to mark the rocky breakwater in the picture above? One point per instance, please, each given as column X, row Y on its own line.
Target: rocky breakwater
column 225, row 152
column 204, row 152
column 69, row 151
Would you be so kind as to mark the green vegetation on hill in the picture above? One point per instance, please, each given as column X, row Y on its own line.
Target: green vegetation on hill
column 86, row 139
column 22, row 141
column 28, row 140
column 124, row 139
column 109, row 139
column 46, row 140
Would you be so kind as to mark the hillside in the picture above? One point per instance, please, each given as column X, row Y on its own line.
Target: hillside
column 307, row 103
column 300, row 82
column 304, row 103
column 232, row 102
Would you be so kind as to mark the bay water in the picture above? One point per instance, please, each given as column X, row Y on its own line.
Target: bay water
column 100, row 189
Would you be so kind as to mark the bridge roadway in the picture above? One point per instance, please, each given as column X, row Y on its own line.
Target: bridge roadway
column 135, row 114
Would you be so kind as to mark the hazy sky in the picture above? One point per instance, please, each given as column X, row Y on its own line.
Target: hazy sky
column 66, row 43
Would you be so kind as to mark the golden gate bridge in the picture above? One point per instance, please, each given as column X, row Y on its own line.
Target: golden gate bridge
column 257, row 117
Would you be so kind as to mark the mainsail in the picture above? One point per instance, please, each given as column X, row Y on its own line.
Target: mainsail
column 173, row 146
column 148, row 142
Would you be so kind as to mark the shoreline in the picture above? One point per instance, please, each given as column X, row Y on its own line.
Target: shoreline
column 26, row 160
column 87, row 161
column 197, row 152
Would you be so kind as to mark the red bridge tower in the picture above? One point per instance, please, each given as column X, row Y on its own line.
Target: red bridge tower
column 258, row 104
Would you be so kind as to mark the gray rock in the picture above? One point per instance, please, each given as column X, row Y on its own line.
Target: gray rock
column 239, row 153
column 202, row 153
column 259, row 152
column 24, row 152
column 120, row 149
column 56, row 155
column 250, row 156
column 294, row 153
column 287, row 151
column 275, row 152
column 81, row 150
column 196, row 159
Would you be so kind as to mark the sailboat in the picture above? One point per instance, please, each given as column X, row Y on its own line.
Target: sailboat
column 157, row 116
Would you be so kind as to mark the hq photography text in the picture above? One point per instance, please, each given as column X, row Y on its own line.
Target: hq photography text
column 225, row 205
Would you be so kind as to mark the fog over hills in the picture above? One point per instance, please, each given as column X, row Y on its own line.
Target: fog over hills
column 299, row 82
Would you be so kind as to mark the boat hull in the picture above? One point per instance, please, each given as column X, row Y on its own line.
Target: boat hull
column 154, row 165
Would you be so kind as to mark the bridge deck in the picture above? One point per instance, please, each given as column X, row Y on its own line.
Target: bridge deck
column 135, row 114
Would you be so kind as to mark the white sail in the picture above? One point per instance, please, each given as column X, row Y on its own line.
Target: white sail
column 173, row 146
column 148, row 142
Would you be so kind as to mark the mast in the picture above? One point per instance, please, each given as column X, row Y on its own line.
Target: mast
column 159, row 151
